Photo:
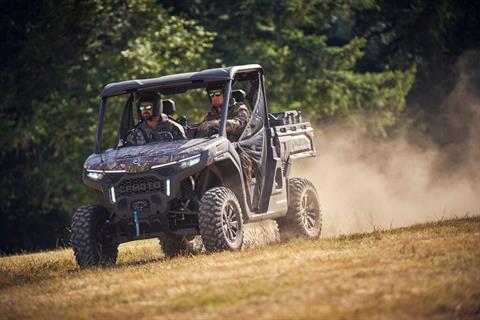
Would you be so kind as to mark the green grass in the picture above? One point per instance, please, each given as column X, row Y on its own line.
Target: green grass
column 426, row 271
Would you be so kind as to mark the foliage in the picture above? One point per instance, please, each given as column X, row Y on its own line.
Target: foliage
column 64, row 53
column 292, row 40
column 434, row 35
column 350, row 60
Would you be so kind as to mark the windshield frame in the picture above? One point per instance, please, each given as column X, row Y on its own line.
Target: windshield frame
column 227, row 88
column 174, row 87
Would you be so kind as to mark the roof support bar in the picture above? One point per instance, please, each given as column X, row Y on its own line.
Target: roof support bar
column 101, row 117
column 226, row 99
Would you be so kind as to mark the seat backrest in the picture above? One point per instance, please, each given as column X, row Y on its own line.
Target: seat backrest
column 168, row 107
column 238, row 95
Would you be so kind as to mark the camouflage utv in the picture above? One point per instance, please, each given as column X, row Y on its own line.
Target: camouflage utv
column 191, row 194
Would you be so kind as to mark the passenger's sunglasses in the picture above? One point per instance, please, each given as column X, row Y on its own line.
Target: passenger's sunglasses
column 146, row 107
column 215, row 93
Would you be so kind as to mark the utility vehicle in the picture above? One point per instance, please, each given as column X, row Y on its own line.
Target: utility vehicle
column 184, row 191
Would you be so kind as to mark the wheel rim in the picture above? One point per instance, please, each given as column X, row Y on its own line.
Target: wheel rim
column 230, row 222
column 309, row 211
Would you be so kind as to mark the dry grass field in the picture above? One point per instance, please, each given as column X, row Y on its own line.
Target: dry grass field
column 427, row 271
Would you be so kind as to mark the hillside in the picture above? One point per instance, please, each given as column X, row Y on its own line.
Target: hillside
column 424, row 271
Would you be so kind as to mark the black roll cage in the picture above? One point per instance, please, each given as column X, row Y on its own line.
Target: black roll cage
column 180, row 83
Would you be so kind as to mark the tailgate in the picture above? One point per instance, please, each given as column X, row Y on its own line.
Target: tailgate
column 294, row 141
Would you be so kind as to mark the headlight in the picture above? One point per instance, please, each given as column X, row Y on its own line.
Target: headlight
column 188, row 162
column 162, row 165
column 95, row 175
column 113, row 197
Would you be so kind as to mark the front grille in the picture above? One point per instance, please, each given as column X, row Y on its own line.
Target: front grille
column 114, row 176
column 140, row 185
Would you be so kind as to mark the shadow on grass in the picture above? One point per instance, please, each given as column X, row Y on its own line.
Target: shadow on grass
column 136, row 263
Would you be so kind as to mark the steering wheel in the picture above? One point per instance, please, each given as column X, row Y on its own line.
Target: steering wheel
column 159, row 135
column 135, row 137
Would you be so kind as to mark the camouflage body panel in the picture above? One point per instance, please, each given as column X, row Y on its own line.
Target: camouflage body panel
column 135, row 159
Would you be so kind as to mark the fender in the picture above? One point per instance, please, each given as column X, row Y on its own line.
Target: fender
column 229, row 165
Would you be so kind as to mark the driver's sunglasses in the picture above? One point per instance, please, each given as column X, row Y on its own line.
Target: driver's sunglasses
column 215, row 93
column 146, row 107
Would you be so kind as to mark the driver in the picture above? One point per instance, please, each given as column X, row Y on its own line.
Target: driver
column 154, row 124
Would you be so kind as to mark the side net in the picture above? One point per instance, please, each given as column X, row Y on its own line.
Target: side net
column 252, row 141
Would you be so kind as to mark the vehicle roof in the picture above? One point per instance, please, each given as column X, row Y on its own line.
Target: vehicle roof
column 182, row 81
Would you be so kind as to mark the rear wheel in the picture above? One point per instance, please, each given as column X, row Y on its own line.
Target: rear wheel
column 173, row 246
column 304, row 217
column 90, row 239
column 220, row 220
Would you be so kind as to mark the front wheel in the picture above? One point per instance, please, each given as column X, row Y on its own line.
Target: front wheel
column 220, row 220
column 90, row 242
column 304, row 217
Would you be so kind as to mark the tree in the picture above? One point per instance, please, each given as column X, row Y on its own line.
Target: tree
column 433, row 35
column 56, row 58
column 311, row 62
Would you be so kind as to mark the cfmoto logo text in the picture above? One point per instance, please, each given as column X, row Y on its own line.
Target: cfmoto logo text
column 140, row 187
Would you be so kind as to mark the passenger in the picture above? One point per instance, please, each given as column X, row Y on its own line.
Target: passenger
column 237, row 119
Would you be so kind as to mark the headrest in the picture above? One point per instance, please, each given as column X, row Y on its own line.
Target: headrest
column 168, row 107
column 238, row 95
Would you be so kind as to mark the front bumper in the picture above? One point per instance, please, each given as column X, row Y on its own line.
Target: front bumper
column 149, row 193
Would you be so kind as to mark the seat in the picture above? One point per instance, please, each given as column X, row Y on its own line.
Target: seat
column 168, row 107
column 238, row 95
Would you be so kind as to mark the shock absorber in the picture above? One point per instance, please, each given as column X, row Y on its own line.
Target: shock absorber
column 187, row 187
column 138, row 206
column 135, row 221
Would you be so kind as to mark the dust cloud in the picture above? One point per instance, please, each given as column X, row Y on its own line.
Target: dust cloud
column 259, row 234
column 364, row 185
column 371, row 183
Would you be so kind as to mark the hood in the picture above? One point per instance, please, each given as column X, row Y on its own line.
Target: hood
column 142, row 158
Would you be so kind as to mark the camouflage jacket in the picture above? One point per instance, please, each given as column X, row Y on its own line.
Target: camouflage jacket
column 165, row 125
column 237, row 119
